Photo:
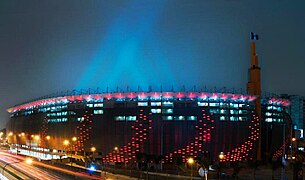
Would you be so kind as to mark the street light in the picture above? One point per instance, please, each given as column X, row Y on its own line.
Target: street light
column 74, row 139
column 93, row 149
column 191, row 161
column 36, row 137
column 48, row 137
column 66, row 142
column 221, row 156
column 29, row 160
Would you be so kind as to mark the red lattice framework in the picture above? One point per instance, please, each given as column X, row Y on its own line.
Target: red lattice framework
column 203, row 126
column 141, row 129
column 280, row 152
column 43, row 131
column 84, row 131
column 242, row 152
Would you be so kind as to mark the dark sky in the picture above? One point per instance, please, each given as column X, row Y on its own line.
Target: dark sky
column 55, row 45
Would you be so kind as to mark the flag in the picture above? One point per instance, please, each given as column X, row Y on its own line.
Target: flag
column 253, row 36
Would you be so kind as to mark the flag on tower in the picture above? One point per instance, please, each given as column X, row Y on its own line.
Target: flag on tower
column 253, row 36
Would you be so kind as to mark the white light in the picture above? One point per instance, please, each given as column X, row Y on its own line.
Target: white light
column 92, row 168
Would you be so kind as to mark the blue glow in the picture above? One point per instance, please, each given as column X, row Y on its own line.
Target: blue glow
column 120, row 58
column 92, row 168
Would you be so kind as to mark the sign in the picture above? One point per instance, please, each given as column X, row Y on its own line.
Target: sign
column 203, row 172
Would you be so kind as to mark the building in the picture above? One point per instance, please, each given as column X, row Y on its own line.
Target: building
column 297, row 112
column 169, row 124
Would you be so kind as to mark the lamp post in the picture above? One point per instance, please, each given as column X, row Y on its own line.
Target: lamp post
column 66, row 143
column 294, row 148
column 74, row 139
column 19, row 141
column 9, row 135
column 93, row 149
column 190, row 161
column 47, row 144
column 221, row 156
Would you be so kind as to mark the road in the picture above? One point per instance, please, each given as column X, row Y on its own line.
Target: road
column 37, row 170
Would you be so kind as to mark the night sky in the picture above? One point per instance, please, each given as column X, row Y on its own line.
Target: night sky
column 56, row 45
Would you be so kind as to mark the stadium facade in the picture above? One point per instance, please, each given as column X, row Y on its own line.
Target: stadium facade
column 170, row 125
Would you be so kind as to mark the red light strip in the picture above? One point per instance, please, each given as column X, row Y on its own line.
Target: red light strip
column 141, row 95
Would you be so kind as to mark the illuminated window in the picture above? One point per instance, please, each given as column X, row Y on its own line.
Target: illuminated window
column 119, row 118
column 233, row 118
column 58, row 108
column 58, row 114
column 223, row 105
column 167, row 111
column 72, row 113
column 53, row 114
column 98, row 105
column 243, row 111
column 90, row 105
column 241, row 105
column 155, row 103
column 233, row 105
column 222, row 118
column 192, row 118
column 131, row 118
column 58, row 120
column 268, row 114
column 268, row 120
column 203, row 104
column 180, row 118
column 167, row 118
column 214, row 111
column 80, row 119
column 53, row 109
column 242, row 118
column 168, row 104
column 233, row 111
column 28, row 112
column 142, row 103
column 156, row 111
column 98, row 111
column 42, row 110
column 64, row 113
column 214, row 104
column 223, row 111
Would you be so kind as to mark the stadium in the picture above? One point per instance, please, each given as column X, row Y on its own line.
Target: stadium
column 156, row 123
column 121, row 126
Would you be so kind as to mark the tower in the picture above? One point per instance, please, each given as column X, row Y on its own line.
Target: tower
column 254, row 85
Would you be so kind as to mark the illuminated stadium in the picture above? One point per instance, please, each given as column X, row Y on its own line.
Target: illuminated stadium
column 122, row 126
column 170, row 124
